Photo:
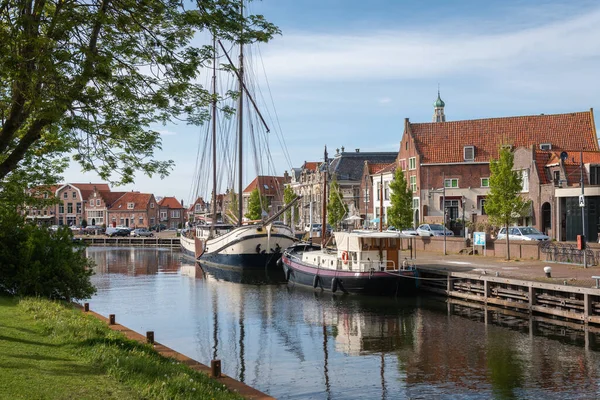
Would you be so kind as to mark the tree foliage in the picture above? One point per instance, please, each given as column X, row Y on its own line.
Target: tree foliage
column 288, row 197
column 400, row 214
column 256, row 205
column 503, row 204
column 37, row 262
column 231, row 210
column 96, row 78
column 336, row 208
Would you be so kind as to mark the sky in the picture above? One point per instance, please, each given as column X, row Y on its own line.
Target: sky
column 347, row 73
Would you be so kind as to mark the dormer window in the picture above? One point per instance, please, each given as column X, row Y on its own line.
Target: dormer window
column 469, row 153
column 546, row 146
column 130, row 206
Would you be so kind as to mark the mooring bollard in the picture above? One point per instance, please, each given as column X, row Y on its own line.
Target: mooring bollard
column 86, row 307
column 150, row 337
column 111, row 319
column 548, row 272
column 215, row 368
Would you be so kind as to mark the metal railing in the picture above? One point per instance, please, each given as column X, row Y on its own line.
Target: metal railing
column 567, row 253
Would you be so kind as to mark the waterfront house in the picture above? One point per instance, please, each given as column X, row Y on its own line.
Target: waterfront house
column 98, row 204
column 135, row 210
column 271, row 188
column 73, row 198
column 449, row 162
column 171, row 212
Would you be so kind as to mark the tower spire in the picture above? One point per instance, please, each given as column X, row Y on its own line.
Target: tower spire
column 438, row 108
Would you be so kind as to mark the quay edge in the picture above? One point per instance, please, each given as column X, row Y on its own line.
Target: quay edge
column 534, row 298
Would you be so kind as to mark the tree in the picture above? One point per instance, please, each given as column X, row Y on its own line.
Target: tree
column 92, row 78
column 503, row 204
column 288, row 197
column 231, row 211
column 400, row 213
column 336, row 208
column 35, row 261
column 256, row 205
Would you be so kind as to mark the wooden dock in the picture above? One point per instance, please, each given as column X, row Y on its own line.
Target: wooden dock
column 100, row 240
column 528, row 297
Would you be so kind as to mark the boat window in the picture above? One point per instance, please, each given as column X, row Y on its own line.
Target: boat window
column 392, row 243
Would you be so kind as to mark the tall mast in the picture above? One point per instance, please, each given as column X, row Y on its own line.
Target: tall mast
column 240, row 119
column 324, row 201
column 213, row 200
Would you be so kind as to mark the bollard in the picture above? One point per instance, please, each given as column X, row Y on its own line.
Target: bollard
column 548, row 272
column 150, row 337
column 215, row 368
column 86, row 307
column 111, row 319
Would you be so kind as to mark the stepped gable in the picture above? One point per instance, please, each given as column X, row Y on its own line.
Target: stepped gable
column 169, row 202
column 444, row 142
column 140, row 201
column 349, row 166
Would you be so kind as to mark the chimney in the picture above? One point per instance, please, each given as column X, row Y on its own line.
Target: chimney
column 357, row 150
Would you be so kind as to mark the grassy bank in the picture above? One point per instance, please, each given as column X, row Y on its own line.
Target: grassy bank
column 51, row 351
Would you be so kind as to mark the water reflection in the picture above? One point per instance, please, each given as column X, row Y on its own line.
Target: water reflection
column 298, row 344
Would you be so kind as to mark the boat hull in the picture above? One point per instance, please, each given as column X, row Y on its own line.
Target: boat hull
column 376, row 283
column 188, row 247
column 247, row 247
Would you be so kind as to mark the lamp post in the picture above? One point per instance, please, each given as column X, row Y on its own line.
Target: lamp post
column 444, row 209
column 464, row 199
column 366, row 200
column 582, row 205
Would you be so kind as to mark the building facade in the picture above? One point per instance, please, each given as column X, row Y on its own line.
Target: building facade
column 134, row 210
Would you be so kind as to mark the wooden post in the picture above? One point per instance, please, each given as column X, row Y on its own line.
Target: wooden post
column 587, row 307
column 86, row 307
column 150, row 337
column 215, row 368
column 111, row 319
column 531, row 299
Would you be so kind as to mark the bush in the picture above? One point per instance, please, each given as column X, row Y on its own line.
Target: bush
column 35, row 261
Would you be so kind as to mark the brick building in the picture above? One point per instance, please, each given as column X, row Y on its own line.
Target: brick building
column 171, row 213
column 135, row 210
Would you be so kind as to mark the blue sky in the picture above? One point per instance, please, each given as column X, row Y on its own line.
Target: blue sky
column 347, row 73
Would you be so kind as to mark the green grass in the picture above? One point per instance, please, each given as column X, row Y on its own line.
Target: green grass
column 49, row 350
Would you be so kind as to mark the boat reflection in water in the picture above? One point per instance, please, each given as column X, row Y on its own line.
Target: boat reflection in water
column 298, row 344
column 246, row 276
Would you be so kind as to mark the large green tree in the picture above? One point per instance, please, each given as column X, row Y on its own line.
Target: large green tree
column 503, row 204
column 94, row 79
column 256, row 205
column 400, row 214
column 336, row 208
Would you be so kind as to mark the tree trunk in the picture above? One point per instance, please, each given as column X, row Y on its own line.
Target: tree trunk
column 507, row 244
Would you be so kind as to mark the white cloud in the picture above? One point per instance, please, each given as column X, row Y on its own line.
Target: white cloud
column 167, row 133
column 405, row 54
column 384, row 100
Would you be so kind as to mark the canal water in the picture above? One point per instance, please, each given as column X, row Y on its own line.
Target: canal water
column 294, row 343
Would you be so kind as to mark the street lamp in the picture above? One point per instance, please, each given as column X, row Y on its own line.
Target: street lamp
column 464, row 200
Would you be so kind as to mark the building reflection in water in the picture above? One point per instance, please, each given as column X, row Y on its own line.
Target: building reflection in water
column 296, row 344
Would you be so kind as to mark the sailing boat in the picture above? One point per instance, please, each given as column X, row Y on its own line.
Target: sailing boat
column 361, row 263
column 239, row 247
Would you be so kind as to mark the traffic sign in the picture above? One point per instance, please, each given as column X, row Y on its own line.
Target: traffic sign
column 581, row 200
column 479, row 238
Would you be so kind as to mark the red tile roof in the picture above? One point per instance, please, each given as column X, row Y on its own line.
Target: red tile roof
column 268, row 185
column 111, row 197
column 311, row 165
column 170, row 202
column 140, row 201
column 375, row 168
column 541, row 160
column 443, row 142
column 574, row 158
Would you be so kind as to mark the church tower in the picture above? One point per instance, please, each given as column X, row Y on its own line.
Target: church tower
column 438, row 109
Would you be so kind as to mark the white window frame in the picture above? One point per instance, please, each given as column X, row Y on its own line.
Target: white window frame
column 163, row 215
column 525, row 178
column 175, row 214
column 130, row 206
column 488, row 182
column 413, row 183
column 545, row 146
column 466, row 150
column 450, row 183
column 412, row 163
column 97, row 202
column 151, row 205
column 415, row 203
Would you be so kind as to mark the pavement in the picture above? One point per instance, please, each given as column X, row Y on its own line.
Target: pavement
column 528, row 270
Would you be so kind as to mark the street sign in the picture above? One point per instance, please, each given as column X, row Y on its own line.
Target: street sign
column 581, row 200
column 479, row 238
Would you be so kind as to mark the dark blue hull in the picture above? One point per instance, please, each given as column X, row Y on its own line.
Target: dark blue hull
column 187, row 253
column 251, row 262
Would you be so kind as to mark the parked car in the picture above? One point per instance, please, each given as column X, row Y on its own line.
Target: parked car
column 93, row 230
column 522, row 233
column 117, row 232
column 158, row 227
column 410, row 232
column 433, row 230
column 54, row 228
column 141, row 232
